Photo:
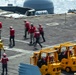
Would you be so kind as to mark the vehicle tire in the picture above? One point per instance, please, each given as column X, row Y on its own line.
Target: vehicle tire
column 68, row 69
column 44, row 69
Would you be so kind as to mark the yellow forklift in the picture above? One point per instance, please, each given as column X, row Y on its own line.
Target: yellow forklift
column 47, row 61
column 67, row 56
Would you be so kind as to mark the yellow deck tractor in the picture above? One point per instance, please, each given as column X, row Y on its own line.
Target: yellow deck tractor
column 47, row 61
column 67, row 56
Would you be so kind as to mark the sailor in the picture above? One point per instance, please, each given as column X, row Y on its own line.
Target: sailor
column 12, row 36
column 4, row 62
column 41, row 32
column 1, row 47
column 27, row 26
column 37, row 37
column 31, row 32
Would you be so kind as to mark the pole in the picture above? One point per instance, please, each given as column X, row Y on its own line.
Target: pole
column 65, row 18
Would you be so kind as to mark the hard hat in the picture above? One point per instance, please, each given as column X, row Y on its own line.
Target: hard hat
column 25, row 20
column 11, row 27
column 4, row 54
column 31, row 24
column 39, row 24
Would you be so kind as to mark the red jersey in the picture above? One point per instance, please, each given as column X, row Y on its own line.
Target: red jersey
column 37, row 34
column 12, row 32
column 40, row 29
column 4, row 60
column 0, row 25
column 27, row 25
column 32, row 29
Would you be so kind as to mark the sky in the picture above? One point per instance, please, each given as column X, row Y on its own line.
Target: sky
column 14, row 2
column 60, row 6
column 20, row 2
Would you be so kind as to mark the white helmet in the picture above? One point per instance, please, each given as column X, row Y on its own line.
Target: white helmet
column 4, row 54
column 11, row 27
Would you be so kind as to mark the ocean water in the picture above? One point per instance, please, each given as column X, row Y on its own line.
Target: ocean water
column 60, row 6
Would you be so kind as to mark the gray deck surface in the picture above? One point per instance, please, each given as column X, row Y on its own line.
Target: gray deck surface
column 58, row 29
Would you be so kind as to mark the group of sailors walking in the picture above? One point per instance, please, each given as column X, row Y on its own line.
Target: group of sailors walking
column 34, row 33
column 30, row 29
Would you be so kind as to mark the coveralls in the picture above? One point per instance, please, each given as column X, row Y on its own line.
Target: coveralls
column 27, row 26
column 31, row 31
column 4, row 61
column 12, row 37
column 41, row 32
column 37, row 36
